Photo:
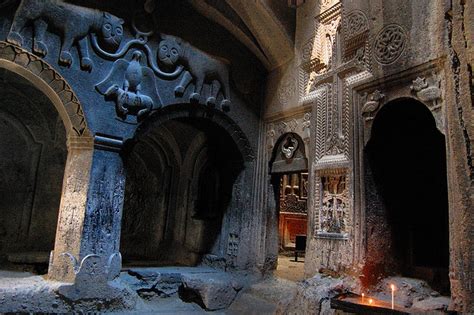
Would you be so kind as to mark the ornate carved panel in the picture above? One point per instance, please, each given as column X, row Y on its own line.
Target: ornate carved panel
column 356, row 33
column 294, row 193
column 333, row 202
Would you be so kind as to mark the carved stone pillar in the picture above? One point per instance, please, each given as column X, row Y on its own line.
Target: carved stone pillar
column 88, row 232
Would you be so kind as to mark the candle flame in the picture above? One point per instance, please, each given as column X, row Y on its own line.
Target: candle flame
column 363, row 294
column 392, row 286
column 371, row 301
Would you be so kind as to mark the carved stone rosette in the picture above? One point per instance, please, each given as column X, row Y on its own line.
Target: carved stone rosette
column 389, row 44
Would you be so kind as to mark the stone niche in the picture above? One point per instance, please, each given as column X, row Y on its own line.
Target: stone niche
column 32, row 161
column 406, row 195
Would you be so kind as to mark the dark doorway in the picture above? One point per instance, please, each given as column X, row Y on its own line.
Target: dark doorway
column 32, row 161
column 180, row 177
column 407, row 202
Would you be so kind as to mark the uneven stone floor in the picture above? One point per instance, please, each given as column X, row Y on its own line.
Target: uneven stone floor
column 200, row 290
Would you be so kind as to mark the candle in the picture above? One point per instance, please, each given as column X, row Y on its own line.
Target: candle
column 371, row 301
column 392, row 287
column 363, row 295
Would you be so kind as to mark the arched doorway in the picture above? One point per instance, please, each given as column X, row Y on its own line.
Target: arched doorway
column 406, row 194
column 289, row 175
column 181, row 175
column 32, row 161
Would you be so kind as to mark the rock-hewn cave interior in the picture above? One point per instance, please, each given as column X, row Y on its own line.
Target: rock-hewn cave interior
column 180, row 177
column 32, row 161
column 406, row 155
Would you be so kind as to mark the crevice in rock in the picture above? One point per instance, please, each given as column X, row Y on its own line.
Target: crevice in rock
column 456, row 69
column 190, row 296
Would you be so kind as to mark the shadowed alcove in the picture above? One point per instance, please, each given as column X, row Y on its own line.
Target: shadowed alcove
column 406, row 195
column 180, row 177
column 32, row 161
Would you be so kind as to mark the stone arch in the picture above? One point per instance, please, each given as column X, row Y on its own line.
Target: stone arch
column 50, row 82
column 196, row 111
column 196, row 222
column 406, row 195
column 370, row 118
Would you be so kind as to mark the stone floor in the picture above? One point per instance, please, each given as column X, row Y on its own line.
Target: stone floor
column 159, row 290
column 200, row 290
column 290, row 269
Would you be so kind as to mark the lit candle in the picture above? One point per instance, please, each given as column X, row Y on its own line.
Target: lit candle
column 371, row 301
column 363, row 295
column 392, row 287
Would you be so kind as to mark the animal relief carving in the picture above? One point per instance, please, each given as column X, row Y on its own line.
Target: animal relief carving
column 132, row 87
column 427, row 90
column 202, row 68
column 73, row 23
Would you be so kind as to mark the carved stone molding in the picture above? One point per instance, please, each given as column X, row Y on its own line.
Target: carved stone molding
column 389, row 43
column 38, row 68
column 299, row 124
column 423, row 82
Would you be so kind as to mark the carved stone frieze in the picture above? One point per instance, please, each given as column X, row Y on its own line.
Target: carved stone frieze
column 200, row 66
column 74, row 23
column 105, row 32
column 389, row 43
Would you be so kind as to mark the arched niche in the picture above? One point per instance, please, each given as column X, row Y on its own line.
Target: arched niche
column 406, row 195
column 32, row 163
column 172, row 156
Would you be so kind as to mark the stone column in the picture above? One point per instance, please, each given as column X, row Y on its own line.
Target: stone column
column 88, row 232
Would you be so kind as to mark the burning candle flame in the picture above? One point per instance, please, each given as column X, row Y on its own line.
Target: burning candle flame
column 371, row 301
column 392, row 286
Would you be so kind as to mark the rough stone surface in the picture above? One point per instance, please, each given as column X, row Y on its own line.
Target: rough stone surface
column 313, row 295
column 217, row 291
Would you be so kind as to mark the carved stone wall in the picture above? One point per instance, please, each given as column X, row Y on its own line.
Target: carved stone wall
column 377, row 58
column 110, row 77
